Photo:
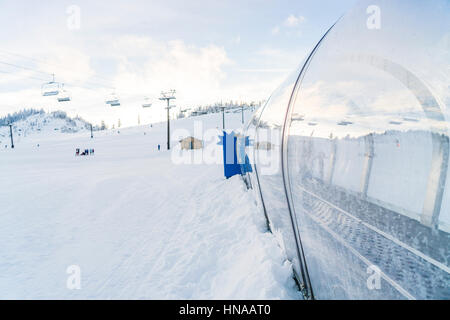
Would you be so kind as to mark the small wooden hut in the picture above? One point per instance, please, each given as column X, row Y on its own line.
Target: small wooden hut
column 191, row 143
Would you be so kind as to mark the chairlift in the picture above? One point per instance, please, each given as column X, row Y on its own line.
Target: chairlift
column 147, row 103
column 113, row 100
column 51, row 88
column 64, row 95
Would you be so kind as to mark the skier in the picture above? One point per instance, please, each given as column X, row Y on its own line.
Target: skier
column 159, row 147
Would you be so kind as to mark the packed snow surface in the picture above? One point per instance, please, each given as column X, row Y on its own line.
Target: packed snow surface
column 138, row 225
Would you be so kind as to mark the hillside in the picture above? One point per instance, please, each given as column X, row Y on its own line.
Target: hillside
column 39, row 123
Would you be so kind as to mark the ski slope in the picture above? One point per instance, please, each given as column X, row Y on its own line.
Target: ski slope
column 42, row 124
column 138, row 225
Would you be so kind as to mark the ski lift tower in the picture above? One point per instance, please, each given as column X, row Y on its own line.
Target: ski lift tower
column 11, row 134
column 223, row 116
column 167, row 96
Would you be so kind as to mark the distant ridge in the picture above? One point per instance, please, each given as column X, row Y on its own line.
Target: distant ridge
column 31, row 122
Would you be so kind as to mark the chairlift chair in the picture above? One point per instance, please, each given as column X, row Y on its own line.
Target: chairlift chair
column 147, row 103
column 64, row 95
column 51, row 88
column 113, row 100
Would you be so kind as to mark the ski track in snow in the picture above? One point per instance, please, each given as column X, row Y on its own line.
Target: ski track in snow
column 139, row 226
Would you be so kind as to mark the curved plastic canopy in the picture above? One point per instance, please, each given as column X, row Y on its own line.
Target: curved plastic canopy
column 351, row 156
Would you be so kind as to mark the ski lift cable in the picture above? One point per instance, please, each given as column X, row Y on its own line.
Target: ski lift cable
column 92, row 84
column 57, row 89
column 89, row 82
column 51, row 74
column 22, row 56
column 23, row 67
column 41, row 79
column 48, row 63
column 26, row 77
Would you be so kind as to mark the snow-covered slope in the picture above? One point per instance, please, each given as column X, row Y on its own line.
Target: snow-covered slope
column 137, row 224
column 42, row 125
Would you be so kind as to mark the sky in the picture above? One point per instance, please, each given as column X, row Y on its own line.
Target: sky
column 207, row 51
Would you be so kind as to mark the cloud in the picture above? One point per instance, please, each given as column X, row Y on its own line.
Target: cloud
column 69, row 64
column 143, row 67
column 138, row 66
column 153, row 66
column 266, row 70
column 275, row 30
column 293, row 21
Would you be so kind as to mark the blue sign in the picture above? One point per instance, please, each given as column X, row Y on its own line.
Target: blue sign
column 235, row 160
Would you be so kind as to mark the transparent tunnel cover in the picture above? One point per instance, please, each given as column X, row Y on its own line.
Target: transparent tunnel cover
column 265, row 130
column 367, row 151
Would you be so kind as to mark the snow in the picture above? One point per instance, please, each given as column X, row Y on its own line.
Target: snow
column 49, row 124
column 138, row 225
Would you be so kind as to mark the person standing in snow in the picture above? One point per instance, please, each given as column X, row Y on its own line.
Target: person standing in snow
column 159, row 147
